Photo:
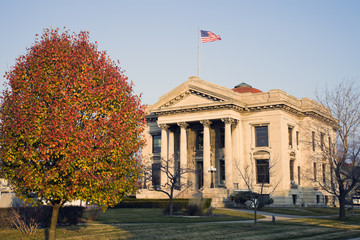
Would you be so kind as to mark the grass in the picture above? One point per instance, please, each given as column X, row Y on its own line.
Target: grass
column 151, row 224
column 350, row 223
column 154, row 215
column 307, row 211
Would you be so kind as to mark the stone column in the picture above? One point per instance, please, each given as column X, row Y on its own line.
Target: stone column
column 228, row 153
column 183, row 150
column 171, row 146
column 206, row 154
column 171, row 157
column 164, row 152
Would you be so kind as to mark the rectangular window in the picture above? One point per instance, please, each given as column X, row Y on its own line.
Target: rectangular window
column 199, row 140
column 156, row 170
column 298, row 175
column 261, row 134
column 156, row 147
column 291, row 170
column 262, row 168
column 314, row 172
column 290, row 133
column 330, row 145
column 322, row 140
column 297, row 138
column 313, row 141
column 324, row 173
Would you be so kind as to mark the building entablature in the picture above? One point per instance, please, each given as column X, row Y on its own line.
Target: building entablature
column 196, row 95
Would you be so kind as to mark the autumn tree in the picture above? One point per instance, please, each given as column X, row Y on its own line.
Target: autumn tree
column 70, row 125
column 338, row 148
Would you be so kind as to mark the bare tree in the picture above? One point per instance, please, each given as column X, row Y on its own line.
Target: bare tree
column 175, row 174
column 257, row 191
column 342, row 151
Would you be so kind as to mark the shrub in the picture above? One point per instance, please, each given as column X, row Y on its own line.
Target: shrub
column 70, row 215
column 91, row 214
column 26, row 226
column 193, row 210
column 176, row 209
column 4, row 218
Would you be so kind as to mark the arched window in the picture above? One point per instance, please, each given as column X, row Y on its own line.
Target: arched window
column 262, row 167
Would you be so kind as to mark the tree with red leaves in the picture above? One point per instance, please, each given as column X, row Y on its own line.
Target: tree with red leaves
column 70, row 125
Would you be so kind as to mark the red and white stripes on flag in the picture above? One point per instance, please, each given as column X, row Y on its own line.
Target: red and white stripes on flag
column 207, row 36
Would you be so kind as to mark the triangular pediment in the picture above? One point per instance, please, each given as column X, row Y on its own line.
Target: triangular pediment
column 190, row 98
column 194, row 92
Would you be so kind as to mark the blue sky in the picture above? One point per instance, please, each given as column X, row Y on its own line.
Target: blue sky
column 293, row 45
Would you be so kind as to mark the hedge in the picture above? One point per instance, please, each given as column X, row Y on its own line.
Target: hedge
column 68, row 215
column 157, row 203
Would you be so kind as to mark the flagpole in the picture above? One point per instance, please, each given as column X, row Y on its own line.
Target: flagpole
column 198, row 57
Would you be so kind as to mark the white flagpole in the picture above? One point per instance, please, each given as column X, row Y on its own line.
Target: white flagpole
column 198, row 57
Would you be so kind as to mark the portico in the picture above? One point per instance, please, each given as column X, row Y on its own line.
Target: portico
column 204, row 145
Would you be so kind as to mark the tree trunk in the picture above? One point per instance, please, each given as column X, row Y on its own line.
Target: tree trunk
column 171, row 207
column 54, row 219
column 342, row 212
column 255, row 217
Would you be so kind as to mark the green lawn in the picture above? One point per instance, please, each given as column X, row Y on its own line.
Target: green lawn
column 308, row 211
column 151, row 224
column 154, row 215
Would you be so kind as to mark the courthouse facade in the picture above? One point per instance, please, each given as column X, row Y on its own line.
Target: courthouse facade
column 238, row 139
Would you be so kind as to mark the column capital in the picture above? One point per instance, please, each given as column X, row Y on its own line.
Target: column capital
column 206, row 123
column 229, row 120
column 163, row 126
column 183, row 124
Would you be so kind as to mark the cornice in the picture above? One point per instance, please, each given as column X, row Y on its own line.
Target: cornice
column 252, row 109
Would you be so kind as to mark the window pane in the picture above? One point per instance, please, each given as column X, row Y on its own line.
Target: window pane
column 290, row 136
column 291, row 170
column 313, row 141
column 156, row 175
column 262, row 168
column 156, row 143
column 262, row 136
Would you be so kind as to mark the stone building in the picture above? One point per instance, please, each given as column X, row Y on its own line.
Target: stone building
column 238, row 139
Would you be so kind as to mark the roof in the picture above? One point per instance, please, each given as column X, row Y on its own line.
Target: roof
column 245, row 88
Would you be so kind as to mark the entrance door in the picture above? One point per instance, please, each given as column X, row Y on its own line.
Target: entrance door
column 199, row 175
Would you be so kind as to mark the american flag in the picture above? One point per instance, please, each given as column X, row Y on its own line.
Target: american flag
column 207, row 36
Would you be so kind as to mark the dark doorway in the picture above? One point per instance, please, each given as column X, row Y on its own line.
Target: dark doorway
column 294, row 197
column 222, row 171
